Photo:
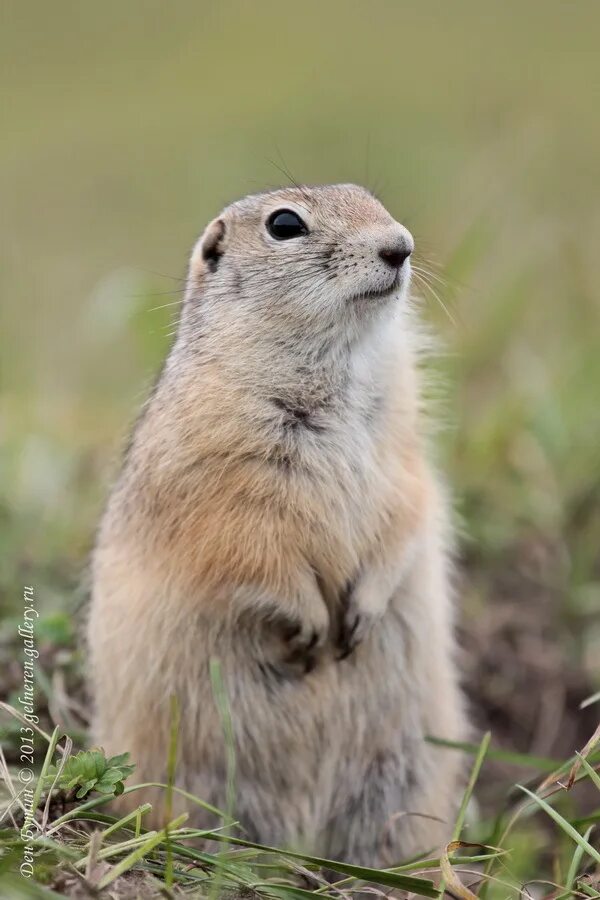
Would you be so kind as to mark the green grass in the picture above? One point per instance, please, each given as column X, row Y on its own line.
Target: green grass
column 126, row 128
column 84, row 846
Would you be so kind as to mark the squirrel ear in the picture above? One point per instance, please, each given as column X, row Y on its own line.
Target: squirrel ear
column 212, row 244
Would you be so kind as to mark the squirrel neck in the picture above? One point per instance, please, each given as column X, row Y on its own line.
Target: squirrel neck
column 256, row 361
column 225, row 398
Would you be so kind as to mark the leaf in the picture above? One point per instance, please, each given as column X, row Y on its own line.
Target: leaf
column 104, row 787
column 111, row 776
column 69, row 785
column 98, row 760
column 120, row 761
column 85, row 788
column 90, row 770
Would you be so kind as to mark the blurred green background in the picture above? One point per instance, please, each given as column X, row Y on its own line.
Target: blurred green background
column 126, row 126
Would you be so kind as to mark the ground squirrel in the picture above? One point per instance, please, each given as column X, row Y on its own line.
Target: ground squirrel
column 276, row 510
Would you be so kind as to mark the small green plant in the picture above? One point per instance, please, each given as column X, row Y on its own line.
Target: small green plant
column 90, row 770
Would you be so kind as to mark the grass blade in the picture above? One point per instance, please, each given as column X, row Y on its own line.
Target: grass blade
column 460, row 819
column 107, row 798
column 590, row 770
column 566, row 826
column 581, row 755
column 388, row 877
column 44, row 772
column 525, row 760
column 574, row 865
column 139, row 854
column 171, row 766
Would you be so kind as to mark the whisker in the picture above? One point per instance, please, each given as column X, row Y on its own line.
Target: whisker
column 425, row 271
column 368, row 161
column 283, row 168
column 163, row 275
column 426, row 284
column 161, row 293
column 164, row 306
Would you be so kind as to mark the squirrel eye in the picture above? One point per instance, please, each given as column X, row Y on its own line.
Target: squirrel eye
column 284, row 224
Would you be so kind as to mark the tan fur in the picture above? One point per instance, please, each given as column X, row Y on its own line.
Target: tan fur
column 276, row 490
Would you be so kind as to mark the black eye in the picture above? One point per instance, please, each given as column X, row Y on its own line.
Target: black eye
column 284, row 224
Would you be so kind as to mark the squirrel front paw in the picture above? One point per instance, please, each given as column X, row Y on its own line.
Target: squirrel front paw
column 296, row 637
column 363, row 603
column 292, row 649
column 301, row 643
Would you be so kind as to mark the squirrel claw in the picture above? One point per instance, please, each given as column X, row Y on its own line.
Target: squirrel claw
column 297, row 651
column 357, row 620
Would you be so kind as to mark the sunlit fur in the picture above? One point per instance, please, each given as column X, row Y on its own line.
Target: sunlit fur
column 234, row 518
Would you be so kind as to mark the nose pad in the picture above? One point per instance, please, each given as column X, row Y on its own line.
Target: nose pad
column 394, row 256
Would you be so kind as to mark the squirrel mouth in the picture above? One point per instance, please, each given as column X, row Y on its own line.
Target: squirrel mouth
column 379, row 294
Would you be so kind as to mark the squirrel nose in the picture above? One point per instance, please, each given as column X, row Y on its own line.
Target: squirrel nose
column 395, row 256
